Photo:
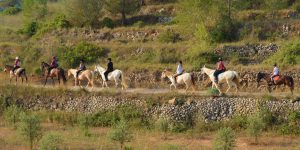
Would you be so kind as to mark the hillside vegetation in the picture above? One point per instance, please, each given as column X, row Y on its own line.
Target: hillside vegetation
column 151, row 34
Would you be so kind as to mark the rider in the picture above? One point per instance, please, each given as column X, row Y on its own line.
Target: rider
column 110, row 68
column 179, row 70
column 81, row 67
column 275, row 72
column 220, row 69
column 17, row 64
column 53, row 64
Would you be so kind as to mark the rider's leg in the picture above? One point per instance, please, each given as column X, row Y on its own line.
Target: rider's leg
column 105, row 75
column 216, row 73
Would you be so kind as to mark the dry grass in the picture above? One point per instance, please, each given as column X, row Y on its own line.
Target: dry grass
column 146, row 140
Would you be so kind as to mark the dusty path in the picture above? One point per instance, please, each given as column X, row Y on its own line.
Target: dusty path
column 161, row 91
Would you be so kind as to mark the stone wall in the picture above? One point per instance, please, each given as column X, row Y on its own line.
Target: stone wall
column 207, row 107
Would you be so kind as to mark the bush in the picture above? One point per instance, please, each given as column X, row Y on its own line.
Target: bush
column 85, row 123
column 296, row 6
column 50, row 141
column 292, row 126
column 225, row 139
column 226, row 30
column 121, row 133
column 289, row 54
column 12, row 114
column 213, row 92
column 162, row 125
column 237, row 122
column 139, row 24
column 107, row 22
column 255, row 126
column 30, row 127
column 104, row 118
column 83, row 50
column 30, row 28
column 11, row 10
column 169, row 36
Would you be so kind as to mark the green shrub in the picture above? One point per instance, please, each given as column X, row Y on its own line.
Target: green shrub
column 162, row 125
column 225, row 139
column 50, row 141
column 292, row 126
column 105, row 118
column 296, row 6
column 85, row 123
column 11, row 10
column 213, row 92
column 226, row 30
column 289, row 54
column 121, row 133
column 30, row 128
column 178, row 127
column 197, row 58
column 30, row 28
column 12, row 114
column 237, row 122
column 139, row 24
column 169, row 36
column 107, row 22
column 83, row 50
column 255, row 126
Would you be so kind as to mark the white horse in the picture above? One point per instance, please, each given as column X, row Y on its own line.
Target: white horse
column 185, row 78
column 230, row 77
column 84, row 75
column 117, row 75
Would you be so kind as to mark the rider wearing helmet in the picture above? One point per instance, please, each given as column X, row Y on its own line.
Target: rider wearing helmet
column 179, row 70
column 220, row 69
column 81, row 67
column 275, row 72
column 17, row 64
column 110, row 68
column 53, row 64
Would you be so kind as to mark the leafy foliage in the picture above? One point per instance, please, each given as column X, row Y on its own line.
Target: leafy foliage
column 11, row 10
column 84, row 12
column 121, row 133
column 169, row 36
column 12, row 114
column 225, row 139
column 255, row 126
column 34, row 9
column 30, row 127
column 50, row 141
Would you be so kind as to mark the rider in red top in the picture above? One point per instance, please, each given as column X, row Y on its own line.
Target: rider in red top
column 53, row 64
column 220, row 69
column 17, row 64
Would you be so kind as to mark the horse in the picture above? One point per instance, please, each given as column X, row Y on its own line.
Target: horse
column 19, row 73
column 84, row 75
column 56, row 72
column 285, row 80
column 186, row 78
column 230, row 77
column 117, row 75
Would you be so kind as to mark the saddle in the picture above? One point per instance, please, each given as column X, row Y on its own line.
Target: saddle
column 276, row 78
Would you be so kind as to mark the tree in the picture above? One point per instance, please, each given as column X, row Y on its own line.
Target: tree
column 30, row 128
column 225, row 139
column 123, row 7
column 121, row 133
column 34, row 9
column 255, row 126
column 84, row 12
column 12, row 113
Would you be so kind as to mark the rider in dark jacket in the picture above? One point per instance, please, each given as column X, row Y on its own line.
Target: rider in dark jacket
column 110, row 68
column 220, row 69
column 81, row 68
column 53, row 64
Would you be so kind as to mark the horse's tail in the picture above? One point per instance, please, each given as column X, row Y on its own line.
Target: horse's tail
column 236, row 79
column 63, row 75
column 193, row 79
column 291, row 82
column 124, row 85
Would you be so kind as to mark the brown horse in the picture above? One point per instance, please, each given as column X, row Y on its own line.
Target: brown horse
column 54, row 73
column 19, row 73
column 285, row 80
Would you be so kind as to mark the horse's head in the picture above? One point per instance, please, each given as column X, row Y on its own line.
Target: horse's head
column 202, row 70
column 163, row 74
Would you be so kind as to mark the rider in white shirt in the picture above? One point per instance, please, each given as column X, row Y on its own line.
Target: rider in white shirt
column 179, row 70
column 275, row 72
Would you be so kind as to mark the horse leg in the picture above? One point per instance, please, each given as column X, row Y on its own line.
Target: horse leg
column 46, row 81
column 229, row 86
column 53, row 82
column 16, row 80
column 22, row 80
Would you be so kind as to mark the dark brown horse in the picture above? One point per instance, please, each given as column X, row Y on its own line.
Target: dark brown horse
column 283, row 80
column 58, row 73
column 19, row 73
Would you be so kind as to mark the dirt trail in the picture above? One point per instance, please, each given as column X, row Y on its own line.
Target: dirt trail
column 147, row 91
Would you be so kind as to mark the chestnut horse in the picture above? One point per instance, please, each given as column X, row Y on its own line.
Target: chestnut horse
column 54, row 73
column 285, row 80
column 19, row 73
